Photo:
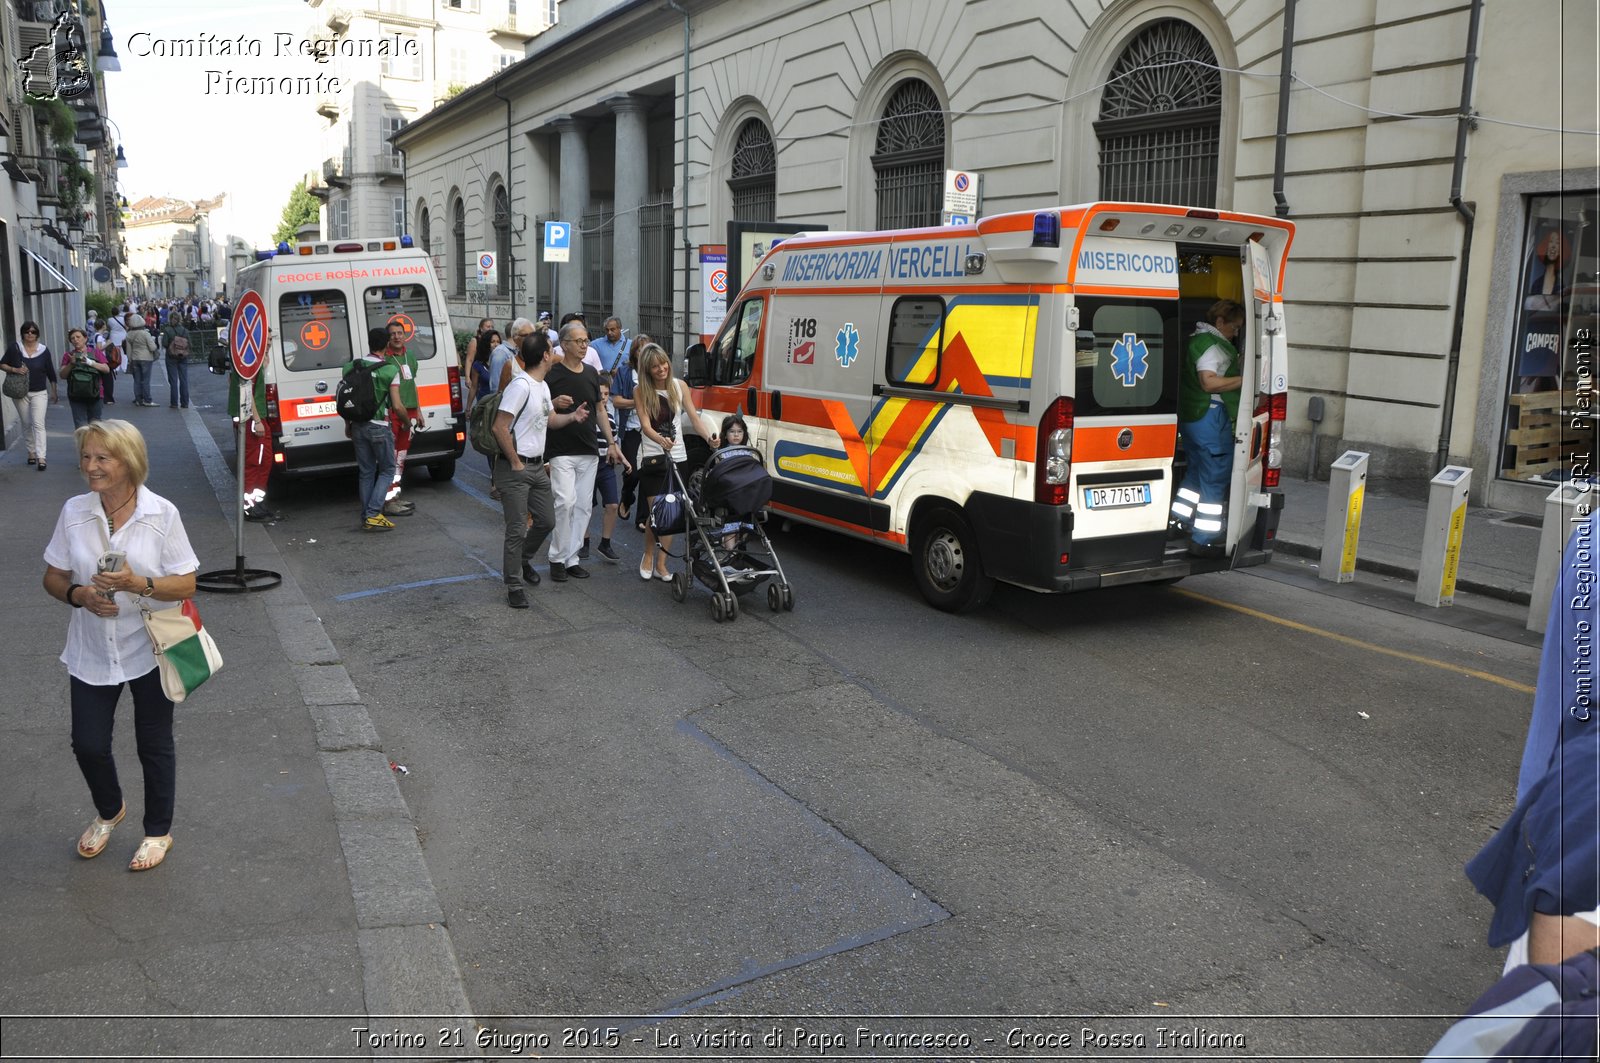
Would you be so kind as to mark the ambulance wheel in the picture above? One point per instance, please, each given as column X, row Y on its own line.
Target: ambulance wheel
column 680, row 586
column 774, row 597
column 946, row 564
column 443, row 470
column 788, row 598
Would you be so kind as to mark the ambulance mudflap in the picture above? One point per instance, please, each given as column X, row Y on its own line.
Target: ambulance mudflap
column 1000, row 400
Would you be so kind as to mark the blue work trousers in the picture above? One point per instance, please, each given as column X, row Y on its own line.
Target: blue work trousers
column 374, row 444
column 1208, row 443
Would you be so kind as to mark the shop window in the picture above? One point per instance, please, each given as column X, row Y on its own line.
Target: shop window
column 1550, row 411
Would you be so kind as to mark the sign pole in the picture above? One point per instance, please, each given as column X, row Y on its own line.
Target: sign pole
column 248, row 342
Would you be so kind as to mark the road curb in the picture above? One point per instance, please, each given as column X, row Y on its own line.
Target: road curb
column 1385, row 568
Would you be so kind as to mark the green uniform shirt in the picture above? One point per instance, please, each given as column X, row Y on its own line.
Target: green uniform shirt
column 1192, row 398
column 408, row 383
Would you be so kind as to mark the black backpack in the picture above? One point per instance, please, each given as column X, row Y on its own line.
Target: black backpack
column 356, row 397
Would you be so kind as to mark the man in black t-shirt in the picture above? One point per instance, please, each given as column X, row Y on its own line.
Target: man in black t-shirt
column 573, row 451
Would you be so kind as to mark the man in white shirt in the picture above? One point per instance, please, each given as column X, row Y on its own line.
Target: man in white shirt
column 525, row 415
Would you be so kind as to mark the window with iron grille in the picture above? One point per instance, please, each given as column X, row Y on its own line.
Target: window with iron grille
column 424, row 230
column 753, row 173
column 1161, row 118
column 399, row 215
column 341, row 219
column 909, row 157
column 502, row 240
column 458, row 247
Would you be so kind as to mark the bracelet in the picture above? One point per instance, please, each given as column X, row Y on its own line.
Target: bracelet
column 70, row 588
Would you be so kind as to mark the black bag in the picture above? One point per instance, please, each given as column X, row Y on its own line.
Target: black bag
column 356, row 397
column 654, row 465
column 668, row 516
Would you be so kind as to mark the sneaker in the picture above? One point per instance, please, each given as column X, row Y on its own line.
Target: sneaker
column 609, row 552
column 583, row 551
column 517, row 598
column 260, row 515
column 530, row 575
column 379, row 523
column 558, row 571
column 577, row 572
column 172, row 405
column 396, row 508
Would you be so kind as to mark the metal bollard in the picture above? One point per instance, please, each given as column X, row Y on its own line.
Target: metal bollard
column 1563, row 508
column 1341, row 528
column 1441, row 537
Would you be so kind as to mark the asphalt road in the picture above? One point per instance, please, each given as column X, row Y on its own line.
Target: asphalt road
column 1239, row 798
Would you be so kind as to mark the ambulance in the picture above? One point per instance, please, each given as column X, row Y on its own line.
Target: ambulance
column 321, row 299
column 1000, row 399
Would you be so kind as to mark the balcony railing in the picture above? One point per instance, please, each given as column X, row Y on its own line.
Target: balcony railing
column 387, row 165
column 335, row 171
column 521, row 26
column 48, row 173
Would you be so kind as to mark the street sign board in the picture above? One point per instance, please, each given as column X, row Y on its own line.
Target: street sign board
column 247, row 335
column 557, row 241
column 486, row 267
column 960, row 192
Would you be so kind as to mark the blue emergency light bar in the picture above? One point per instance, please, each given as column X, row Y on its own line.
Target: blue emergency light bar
column 1047, row 229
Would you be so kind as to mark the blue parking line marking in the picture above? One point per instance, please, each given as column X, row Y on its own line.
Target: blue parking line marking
column 352, row 596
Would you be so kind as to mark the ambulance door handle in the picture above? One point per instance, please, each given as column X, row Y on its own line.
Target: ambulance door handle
column 777, row 406
column 750, row 402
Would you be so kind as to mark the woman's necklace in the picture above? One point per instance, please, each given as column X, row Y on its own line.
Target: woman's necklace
column 111, row 517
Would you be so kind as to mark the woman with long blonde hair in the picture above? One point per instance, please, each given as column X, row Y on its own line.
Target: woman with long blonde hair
column 660, row 399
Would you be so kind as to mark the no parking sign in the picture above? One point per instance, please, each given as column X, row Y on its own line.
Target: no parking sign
column 247, row 335
column 713, row 288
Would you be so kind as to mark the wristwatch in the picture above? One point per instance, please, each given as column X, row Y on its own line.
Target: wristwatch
column 149, row 587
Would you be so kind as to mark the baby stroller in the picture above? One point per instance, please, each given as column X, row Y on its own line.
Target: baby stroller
column 727, row 549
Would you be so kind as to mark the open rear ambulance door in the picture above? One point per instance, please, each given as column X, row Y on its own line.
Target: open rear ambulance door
column 1252, row 430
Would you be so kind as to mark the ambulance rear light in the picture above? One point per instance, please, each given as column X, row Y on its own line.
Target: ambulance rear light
column 283, row 247
column 320, row 249
column 345, row 249
column 1209, row 215
column 274, row 422
column 1047, row 229
column 1174, row 230
column 1277, row 412
column 407, row 242
column 277, row 457
column 306, row 250
column 1052, row 466
column 1110, row 224
column 456, row 403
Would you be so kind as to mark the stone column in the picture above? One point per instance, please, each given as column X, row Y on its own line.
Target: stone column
column 574, row 201
column 631, row 178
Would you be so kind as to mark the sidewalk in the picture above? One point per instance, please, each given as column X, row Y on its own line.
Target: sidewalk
column 1498, row 549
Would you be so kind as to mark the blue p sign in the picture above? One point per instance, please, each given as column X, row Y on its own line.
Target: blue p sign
column 557, row 241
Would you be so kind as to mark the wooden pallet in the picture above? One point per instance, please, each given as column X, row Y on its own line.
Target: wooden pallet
column 1540, row 438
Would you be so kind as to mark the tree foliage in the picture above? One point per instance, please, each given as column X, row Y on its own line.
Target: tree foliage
column 301, row 208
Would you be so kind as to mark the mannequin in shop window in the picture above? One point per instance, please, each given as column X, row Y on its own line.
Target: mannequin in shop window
column 1547, row 283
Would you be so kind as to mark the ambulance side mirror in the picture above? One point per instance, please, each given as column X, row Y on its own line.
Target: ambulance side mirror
column 697, row 366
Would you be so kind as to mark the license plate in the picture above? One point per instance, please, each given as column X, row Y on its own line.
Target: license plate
column 1116, row 497
column 317, row 409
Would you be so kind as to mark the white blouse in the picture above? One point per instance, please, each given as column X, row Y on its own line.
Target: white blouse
column 105, row 652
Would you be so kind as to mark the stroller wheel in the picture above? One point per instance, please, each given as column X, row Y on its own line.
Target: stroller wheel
column 732, row 605
column 680, row 586
column 788, row 598
column 718, row 613
column 774, row 597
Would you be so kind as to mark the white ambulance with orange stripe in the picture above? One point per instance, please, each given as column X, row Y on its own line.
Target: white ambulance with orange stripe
column 1000, row 399
column 321, row 299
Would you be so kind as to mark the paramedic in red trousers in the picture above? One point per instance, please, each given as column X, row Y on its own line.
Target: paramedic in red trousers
column 257, row 445
column 1208, row 408
column 401, row 420
column 573, row 451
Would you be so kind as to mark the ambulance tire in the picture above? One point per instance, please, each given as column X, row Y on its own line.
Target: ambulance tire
column 945, row 562
column 443, row 470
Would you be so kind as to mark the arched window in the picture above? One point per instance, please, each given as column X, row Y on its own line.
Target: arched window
column 502, row 240
column 458, row 247
column 753, row 179
column 909, row 157
column 424, row 229
column 1161, row 118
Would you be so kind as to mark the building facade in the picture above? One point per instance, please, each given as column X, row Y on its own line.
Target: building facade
column 171, row 254
column 440, row 48
column 1415, row 286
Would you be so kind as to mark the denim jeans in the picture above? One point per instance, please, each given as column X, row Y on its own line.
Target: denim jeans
column 85, row 412
column 177, row 381
column 374, row 444
column 141, row 379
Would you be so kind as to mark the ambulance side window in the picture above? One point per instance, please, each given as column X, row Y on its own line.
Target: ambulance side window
column 1132, row 364
column 407, row 304
column 916, row 336
column 314, row 330
column 733, row 354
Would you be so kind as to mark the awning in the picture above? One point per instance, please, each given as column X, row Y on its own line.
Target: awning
column 49, row 271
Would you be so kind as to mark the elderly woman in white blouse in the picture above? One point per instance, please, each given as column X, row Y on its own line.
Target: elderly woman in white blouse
column 107, row 646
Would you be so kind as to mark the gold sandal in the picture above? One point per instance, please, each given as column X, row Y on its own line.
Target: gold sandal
column 150, row 853
column 92, row 842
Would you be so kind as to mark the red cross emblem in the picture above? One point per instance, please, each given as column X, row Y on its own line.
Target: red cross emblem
column 315, row 335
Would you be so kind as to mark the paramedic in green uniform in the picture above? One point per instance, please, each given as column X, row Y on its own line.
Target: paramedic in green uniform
column 1208, row 408
column 257, row 446
column 402, row 420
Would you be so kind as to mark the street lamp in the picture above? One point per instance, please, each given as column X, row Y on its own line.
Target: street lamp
column 107, row 60
column 122, row 158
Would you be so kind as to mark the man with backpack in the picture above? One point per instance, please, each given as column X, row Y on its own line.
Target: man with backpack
column 175, row 338
column 402, row 416
column 369, row 390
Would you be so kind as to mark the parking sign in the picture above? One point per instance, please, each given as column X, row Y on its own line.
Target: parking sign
column 557, row 241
